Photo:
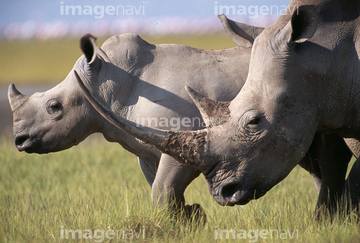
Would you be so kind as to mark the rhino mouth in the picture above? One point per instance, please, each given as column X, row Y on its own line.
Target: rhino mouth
column 24, row 142
column 234, row 194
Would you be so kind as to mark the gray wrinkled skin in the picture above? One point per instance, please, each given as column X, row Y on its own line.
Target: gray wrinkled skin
column 140, row 80
column 303, row 78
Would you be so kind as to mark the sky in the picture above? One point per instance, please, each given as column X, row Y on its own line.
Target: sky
column 61, row 18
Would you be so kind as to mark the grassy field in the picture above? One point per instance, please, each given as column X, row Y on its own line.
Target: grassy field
column 97, row 188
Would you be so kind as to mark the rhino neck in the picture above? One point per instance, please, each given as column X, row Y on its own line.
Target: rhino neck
column 332, row 80
column 130, row 143
column 340, row 82
column 342, row 115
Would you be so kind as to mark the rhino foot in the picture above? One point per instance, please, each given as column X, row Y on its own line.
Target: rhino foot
column 352, row 195
column 193, row 213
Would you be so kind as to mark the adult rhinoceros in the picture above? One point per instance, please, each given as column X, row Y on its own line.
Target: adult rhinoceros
column 144, row 82
column 303, row 78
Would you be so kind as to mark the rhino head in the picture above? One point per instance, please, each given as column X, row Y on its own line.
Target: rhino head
column 60, row 117
column 267, row 129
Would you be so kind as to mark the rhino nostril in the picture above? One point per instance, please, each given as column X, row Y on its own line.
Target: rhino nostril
column 19, row 140
column 229, row 190
column 235, row 194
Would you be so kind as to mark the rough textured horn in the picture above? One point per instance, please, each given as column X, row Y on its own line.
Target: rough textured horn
column 185, row 146
column 213, row 112
column 16, row 98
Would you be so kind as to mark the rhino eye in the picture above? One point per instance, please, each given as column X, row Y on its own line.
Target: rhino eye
column 53, row 107
column 254, row 121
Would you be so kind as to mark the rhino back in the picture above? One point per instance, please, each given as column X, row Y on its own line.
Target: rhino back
column 218, row 74
column 157, row 74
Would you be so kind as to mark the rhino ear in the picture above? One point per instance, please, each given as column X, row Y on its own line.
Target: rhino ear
column 213, row 112
column 242, row 34
column 88, row 47
column 302, row 25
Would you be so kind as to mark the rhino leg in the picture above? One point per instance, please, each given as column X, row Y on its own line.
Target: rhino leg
column 147, row 170
column 333, row 156
column 352, row 187
column 311, row 165
column 169, row 186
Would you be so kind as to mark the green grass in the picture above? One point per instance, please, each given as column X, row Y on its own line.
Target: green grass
column 35, row 62
column 99, row 186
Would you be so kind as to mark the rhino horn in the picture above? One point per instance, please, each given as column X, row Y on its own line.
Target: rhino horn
column 242, row 34
column 185, row 146
column 213, row 112
column 16, row 98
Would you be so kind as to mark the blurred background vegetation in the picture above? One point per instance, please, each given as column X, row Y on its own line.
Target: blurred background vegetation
column 44, row 62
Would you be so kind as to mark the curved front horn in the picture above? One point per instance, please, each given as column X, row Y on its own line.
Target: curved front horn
column 16, row 98
column 185, row 146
